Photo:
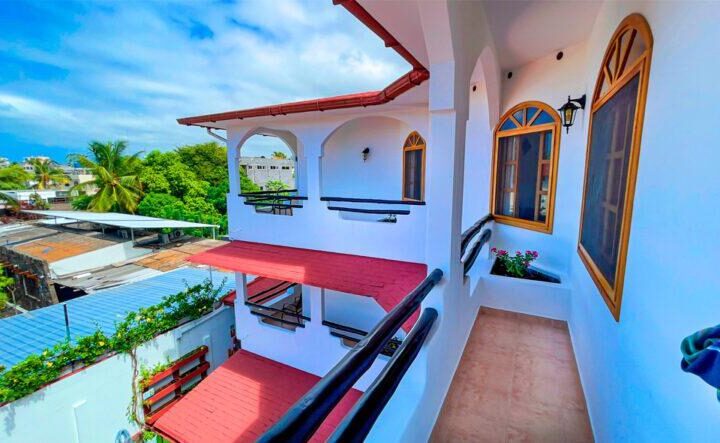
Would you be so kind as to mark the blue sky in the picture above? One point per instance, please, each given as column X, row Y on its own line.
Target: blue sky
column 72, row 72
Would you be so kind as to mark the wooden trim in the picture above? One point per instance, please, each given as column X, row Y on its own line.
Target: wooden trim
column 546, row 226
column 637, row 25
column 420, row 146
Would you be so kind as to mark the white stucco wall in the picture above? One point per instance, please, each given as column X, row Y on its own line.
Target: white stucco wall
column 90, row 406
column 311, row 348
column 630, row 369
column 345, row 174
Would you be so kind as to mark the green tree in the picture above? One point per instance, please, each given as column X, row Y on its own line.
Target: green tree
column 5, row 287
column 164, row 172
column 207, row 160
column 160, row 205
column 279, row 155
column 47, row 174
column 116, row 176
column 247, row 185
column 14, row 177
column 275, row 185
column 81, row 202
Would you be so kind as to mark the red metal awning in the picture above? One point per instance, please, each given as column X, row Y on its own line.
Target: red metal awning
column 387, row 281
column 241, row 399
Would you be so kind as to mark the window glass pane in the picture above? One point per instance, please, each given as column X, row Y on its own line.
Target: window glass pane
column 545, row 177
column 530, row 113
column 607, row 176
column 636, row 50
column 412, row 186
column 543, row 118
column 508, row 125
column 519, row 116
column 547, row 147
column 542, row 214
column 517, row 176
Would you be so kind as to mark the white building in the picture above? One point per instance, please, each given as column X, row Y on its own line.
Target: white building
column 4, row 162
column 261, row 170
column 472, row 129
column 390, row 213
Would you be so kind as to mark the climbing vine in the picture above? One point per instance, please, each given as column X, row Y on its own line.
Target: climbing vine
column 138, row 327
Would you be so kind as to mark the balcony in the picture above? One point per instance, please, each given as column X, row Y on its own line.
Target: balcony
column 517, row 381
column 360, row 179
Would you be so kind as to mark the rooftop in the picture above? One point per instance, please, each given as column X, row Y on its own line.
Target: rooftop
column 34, row 331
column 387, row 281
column 118, row 220
column 241, row 399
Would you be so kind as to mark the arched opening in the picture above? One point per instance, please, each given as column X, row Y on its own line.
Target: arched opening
column 484, row 107
column 363, row 158
column 267, row 161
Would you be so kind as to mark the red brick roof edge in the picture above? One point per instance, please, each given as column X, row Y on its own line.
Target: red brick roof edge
column 403, row 84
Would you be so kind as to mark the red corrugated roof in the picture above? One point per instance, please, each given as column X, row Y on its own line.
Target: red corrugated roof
column 387, row 281
column 241, row 399
column 408, row 81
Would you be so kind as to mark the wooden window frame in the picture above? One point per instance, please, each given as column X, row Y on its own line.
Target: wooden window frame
column 523, row 128
column 637, row 26
column 422, row 147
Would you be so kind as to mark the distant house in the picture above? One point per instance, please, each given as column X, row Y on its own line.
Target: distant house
column 261, row 170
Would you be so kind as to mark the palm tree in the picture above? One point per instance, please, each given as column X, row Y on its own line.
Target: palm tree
column 14, row 177
column 46, row 173
column 117, row 176
column 279, row 155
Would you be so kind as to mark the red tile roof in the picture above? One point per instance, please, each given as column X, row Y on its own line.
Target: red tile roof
column 387, row 281
column 261, row 288
column 241, row 399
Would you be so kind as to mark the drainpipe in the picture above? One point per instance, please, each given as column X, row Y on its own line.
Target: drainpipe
column 214, row 135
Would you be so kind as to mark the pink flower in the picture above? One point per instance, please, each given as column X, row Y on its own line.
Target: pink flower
column 493, row 250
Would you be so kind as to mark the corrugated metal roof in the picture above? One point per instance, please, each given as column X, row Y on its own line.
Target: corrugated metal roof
column 26, row 334
column 119, row 220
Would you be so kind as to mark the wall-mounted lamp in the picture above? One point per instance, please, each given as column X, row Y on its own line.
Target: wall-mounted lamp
column 365, row 153
column 569, row 109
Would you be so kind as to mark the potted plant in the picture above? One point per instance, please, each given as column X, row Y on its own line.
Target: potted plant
column 518, row 266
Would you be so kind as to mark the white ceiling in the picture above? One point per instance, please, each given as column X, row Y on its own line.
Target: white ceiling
column 526, row 30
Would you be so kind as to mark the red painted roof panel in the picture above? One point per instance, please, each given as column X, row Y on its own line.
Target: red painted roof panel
column 241, row 399
column 387, row 281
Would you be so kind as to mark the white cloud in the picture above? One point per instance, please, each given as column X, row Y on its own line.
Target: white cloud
column 133, row 68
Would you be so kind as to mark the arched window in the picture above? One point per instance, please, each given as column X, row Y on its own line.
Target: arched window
column 414, row 167
column 613, row 153
column 525, row 162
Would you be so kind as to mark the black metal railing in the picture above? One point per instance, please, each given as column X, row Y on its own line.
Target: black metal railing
column 302, row 420
column 466, row 239
column 390, row 347
column 470, row 232
column 279, row 202
column 359, row 421
column 373, row 201
column 278, row 314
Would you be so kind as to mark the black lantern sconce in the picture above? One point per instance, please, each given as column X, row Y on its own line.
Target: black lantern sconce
column 569, row 109
column 365, row 153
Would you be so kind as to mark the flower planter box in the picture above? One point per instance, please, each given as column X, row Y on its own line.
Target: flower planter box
column 550, row 299
column 531, row 274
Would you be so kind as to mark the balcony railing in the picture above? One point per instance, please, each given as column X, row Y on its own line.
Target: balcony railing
column 467, row 238
column 274, row 202
column 389, row 206
column 307, row 414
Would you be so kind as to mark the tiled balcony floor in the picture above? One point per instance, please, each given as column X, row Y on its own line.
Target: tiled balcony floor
column 517, row 382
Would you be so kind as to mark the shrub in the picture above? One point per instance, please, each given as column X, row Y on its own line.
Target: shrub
column 516, row 265
column 138, row 327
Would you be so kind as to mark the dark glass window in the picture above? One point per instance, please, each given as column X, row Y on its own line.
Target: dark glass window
column 523, row 176
column 607, row 176
column 413, row 167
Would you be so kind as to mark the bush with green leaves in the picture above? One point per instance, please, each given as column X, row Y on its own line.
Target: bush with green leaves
column 138, row 327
